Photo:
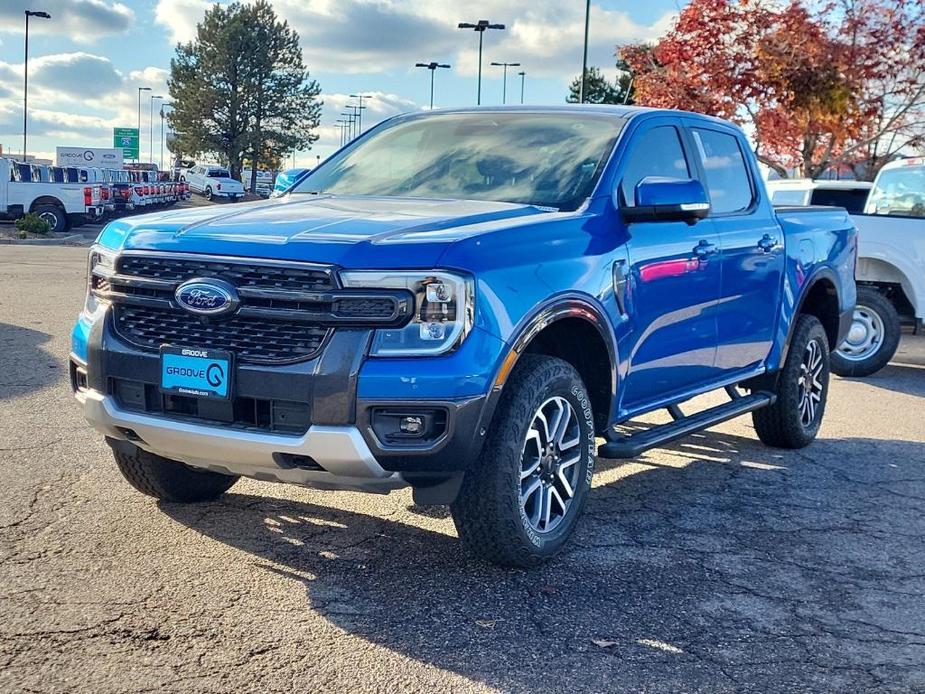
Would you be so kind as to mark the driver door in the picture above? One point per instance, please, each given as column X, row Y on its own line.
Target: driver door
column 669, row 337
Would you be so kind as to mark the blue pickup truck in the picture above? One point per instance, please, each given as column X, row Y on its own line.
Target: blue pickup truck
column 463, row 302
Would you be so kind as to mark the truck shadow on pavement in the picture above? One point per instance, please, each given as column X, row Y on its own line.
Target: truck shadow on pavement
column 27, row 367
column 713, row 565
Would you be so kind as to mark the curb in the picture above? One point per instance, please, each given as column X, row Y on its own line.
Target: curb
column 73, row 240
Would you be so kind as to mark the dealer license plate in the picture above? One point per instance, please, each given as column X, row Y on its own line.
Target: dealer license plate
column 196, row 372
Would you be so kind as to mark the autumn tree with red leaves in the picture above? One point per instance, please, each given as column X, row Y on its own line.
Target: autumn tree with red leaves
column 820, row 85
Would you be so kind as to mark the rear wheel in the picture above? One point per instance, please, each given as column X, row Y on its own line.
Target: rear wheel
column 170, row 480
column 520, row 502
column 54, row 215
column 873, row 338
column 802, row 388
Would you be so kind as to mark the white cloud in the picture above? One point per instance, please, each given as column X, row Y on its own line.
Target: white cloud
column 180, row 17
column 83, row 21
column 76, row 98
column 369, row 36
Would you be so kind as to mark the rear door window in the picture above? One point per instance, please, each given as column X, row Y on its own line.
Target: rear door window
column 728, row 180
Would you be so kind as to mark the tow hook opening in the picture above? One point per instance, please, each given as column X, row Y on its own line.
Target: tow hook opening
column 293, row 460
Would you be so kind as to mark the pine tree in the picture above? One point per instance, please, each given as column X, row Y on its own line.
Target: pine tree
column 598, row 90
column 241, row 89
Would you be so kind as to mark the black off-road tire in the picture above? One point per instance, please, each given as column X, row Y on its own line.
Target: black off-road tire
column 54, row 215
column 169, row 480
column 487, row 512
column 872, row 300
column 780, row 425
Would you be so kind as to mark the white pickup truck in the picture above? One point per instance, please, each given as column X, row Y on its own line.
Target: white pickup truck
column 890, row 217
column 891, row 268
column 62, row 205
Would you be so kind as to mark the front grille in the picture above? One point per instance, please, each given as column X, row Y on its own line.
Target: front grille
column 239, row 274
column 253, row 340
column 286, row 312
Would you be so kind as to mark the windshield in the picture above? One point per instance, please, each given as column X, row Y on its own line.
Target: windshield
column 546, row 159
column 218, row 173
column 899, row 191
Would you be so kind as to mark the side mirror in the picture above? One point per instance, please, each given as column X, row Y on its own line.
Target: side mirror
column 668, row 199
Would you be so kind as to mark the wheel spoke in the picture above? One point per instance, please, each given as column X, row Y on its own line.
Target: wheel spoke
column 541, row 418
column 530, row 491
column 554, row 493
column 569, row 492
column 546, row 495
column 531, row 468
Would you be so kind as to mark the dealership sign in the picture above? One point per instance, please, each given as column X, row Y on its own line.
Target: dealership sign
column 126, row 139
column 105, row 158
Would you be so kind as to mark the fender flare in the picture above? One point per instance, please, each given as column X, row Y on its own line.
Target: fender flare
column 556, row 308
column 823, row 273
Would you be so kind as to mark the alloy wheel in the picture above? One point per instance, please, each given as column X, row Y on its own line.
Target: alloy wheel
column 810, row 383
column 549, row 466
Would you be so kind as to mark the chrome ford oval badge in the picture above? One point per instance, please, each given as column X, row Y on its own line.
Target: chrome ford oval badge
column 207, row 297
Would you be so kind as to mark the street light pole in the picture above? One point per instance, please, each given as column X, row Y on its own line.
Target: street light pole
column 480, row 27
column 151, row 128
column 162, row 132
column 584, row 62
column 432, row 66
column 25, row 91
column 360, row 97
column 140, row 90
column 523, row 77
column 504, row 83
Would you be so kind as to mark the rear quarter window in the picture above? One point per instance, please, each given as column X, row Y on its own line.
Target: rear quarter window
column 728, row 180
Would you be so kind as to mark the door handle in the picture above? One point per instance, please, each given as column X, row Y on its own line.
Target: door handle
column 767, row 243
column 705, row 249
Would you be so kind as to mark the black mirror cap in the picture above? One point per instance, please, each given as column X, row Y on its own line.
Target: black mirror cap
column 682, row 212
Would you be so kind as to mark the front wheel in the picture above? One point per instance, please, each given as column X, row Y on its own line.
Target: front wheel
column 521, row 500
column 169, row 480
column 209, row 193
column 802, row 388
column 873, row 338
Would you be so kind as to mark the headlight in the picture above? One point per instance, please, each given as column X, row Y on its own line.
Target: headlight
column 443, row 310
column 103, row 262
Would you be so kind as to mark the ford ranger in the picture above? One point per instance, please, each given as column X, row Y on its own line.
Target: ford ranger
column 463, row 302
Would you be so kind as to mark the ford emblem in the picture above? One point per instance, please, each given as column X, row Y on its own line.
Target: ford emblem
column 207, row 297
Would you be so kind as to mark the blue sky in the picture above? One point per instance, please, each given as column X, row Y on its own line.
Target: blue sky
column 86, row 62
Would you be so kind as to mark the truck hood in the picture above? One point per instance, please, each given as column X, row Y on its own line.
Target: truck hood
column 350, row 231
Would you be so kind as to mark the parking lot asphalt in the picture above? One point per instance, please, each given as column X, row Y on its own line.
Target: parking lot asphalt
column 714, row 565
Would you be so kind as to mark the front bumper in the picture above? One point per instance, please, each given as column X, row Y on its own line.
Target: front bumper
column 329, row 457
column 336, row 447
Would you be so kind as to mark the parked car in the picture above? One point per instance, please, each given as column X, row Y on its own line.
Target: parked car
column 286, row 179
column 891, row 268
column 61, row 205
column 852, row 195
column 465, row 316
column 214, row 182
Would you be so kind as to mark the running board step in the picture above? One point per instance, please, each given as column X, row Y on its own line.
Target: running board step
column 636, row 444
